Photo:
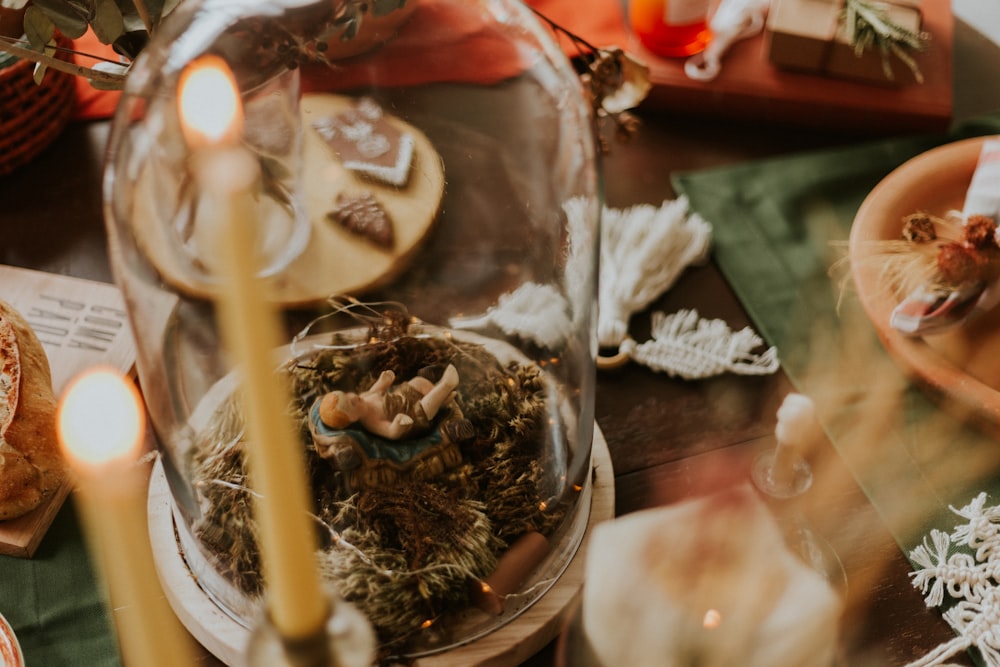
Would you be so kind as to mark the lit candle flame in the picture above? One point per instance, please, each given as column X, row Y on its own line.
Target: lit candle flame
column 100, row 419
column 712, row 620
column 209, row 104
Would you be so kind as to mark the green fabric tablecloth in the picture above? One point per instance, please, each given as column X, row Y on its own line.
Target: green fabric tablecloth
column 54, row 603
column 780, row 229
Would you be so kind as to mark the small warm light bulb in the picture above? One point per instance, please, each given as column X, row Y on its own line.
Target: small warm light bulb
column 712, row 620
column 209, row 103
column 100, row 418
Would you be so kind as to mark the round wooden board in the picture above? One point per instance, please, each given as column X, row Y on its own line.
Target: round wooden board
column 509, row 645
column 334, row 260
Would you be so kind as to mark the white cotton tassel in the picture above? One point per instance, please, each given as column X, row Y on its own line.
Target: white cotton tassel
column 687, row 346
column 534, row 312
column 643, row 250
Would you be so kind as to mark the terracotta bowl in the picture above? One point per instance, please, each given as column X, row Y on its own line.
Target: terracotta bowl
column 963, row 364
column 10, row 650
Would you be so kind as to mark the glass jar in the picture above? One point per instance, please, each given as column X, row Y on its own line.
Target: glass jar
column 671, row 28
column 429, row 205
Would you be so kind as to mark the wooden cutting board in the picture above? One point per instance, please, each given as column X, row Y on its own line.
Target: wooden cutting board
column 80, row 323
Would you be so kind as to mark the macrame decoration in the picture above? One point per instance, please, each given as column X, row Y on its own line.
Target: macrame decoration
column 688, row 346
column 644, row 249
column 961, row 567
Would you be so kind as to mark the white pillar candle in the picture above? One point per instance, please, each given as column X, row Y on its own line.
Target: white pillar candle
column 795, row 430
column 707, row 582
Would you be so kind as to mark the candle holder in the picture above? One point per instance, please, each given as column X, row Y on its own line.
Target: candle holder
column 346, row 640
column 426, row 217
column 781, row 473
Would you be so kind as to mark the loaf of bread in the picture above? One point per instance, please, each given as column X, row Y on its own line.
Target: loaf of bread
column 31, row 467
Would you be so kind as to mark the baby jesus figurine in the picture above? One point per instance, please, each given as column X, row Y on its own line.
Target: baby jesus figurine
column 393, row 412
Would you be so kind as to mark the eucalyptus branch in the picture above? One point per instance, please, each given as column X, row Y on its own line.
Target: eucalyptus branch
column 578, row 41
column 14, row 48
column 143, row 11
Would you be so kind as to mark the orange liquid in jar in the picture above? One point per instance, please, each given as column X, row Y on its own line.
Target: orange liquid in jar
column 671, row 27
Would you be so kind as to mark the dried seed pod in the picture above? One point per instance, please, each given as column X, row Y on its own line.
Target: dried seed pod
column 919, row 228
column 958, row 264
column 980, row 232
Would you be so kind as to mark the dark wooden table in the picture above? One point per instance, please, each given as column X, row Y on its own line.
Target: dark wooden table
column 669, row 439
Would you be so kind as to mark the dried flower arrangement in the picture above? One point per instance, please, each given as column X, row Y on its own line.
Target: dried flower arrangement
column 411, row 552
column 942, row 253
column 938, row 270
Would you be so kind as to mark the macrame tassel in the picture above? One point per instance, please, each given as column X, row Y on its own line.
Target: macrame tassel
column 643, row 250
column 532, row 311
column 686, row 346
column 943, row 652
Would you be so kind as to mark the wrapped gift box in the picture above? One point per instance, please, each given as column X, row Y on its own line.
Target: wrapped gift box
column 808, row 35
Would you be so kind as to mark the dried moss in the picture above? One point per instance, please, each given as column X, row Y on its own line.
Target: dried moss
column 405, row 554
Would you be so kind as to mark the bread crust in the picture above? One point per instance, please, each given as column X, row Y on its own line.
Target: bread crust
column 31, row 465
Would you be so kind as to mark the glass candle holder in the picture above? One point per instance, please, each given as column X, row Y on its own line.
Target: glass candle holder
column 428, row 212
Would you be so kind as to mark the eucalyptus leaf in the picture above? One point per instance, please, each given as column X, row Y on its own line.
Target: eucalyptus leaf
column 37, row 27
column 107, row 22
column 133, row 22
column 154, row 8
column 351, row 29
column 131, row 43
column 383, row 7
column 39, row 73
column 69, row 17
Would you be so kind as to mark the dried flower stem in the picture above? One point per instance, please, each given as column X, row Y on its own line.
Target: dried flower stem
column 14, row 47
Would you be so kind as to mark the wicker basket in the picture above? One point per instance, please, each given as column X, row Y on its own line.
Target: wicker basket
column 31, row 115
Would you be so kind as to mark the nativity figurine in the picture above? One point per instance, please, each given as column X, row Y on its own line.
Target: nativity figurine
column 391, row 431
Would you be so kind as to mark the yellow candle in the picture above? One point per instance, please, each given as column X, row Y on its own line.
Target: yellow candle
column 101, row 428
column 227, row 174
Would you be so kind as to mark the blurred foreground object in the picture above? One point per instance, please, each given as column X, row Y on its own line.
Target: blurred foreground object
column 707, row 582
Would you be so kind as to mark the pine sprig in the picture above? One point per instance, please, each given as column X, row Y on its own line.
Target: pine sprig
column 869, row 25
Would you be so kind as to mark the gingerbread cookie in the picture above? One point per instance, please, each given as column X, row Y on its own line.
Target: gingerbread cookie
column 368, row 144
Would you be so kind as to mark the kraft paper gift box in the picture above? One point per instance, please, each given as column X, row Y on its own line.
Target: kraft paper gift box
column 808, row 36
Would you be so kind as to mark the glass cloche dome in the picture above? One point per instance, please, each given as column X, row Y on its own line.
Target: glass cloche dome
column 426, row 217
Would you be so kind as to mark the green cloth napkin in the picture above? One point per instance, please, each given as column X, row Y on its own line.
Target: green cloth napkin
column 54, row 603
column 780, row 234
